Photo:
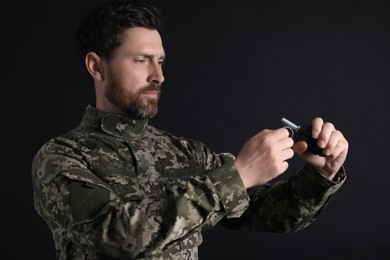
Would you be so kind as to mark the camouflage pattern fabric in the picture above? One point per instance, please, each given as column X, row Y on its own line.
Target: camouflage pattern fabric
column 118, row 188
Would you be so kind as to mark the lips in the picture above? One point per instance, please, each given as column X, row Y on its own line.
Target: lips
column 152, row 94
column 152, row 91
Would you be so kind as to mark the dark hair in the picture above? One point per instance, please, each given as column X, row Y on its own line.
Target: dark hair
column 102, row 27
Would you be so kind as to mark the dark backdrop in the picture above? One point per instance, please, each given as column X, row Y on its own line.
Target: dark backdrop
column 233, row 68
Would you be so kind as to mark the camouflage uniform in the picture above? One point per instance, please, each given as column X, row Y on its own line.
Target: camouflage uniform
column 118, row 188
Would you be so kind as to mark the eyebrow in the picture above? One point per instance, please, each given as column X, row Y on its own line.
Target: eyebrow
column 151, row 56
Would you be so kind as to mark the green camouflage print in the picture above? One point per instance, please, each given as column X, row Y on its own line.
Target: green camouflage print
column 118, row 188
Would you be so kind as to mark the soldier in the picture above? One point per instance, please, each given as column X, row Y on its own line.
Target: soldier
column 115, row 187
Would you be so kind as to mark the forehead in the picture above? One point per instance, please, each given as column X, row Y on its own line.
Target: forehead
column 138, row 39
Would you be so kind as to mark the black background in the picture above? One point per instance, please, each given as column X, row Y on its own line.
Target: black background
column 233, row 68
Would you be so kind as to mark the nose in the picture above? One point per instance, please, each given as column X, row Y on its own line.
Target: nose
column 156, row 73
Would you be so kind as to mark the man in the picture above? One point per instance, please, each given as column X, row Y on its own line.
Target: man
column 115, row 187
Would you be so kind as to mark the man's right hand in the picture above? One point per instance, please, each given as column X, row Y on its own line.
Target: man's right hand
column 264, row 156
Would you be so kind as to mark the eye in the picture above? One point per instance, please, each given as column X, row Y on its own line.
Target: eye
column 140, row 61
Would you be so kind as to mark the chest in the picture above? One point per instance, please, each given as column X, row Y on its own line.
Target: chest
column 137, row 168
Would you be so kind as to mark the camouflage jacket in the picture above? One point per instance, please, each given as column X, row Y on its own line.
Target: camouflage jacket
column 118, row 188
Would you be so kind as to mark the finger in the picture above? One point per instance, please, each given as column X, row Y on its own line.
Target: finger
column 286, row 142
column 334, row 139
column 290, row 131
column 287, row 154
column 316, row 127
column 325, row 134
column 282, row 133
column 340, row 148
column 283, row 167
column 300, row 147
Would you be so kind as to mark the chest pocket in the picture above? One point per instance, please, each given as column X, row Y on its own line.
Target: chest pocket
column 88, row 195
column 118, row 174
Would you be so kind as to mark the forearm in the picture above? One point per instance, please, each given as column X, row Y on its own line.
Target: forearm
column 289, row 205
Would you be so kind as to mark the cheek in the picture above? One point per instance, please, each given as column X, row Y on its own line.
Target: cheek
column 133, row 76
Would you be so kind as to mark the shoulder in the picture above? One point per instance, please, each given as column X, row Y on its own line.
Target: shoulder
column 62, row 143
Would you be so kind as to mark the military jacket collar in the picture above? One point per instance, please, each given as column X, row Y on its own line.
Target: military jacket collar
column 115, row 125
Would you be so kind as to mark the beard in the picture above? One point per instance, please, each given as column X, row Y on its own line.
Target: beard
column 133, row 104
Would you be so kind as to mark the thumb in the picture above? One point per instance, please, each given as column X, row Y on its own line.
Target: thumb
column 300, row 147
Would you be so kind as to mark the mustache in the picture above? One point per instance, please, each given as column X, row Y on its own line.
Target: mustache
column 152, row 87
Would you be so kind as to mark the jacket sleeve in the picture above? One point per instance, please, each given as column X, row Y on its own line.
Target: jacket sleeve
column 288, row 205
column 81, row 208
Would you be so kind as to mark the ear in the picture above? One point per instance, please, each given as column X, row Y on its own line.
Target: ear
column 94, row 66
